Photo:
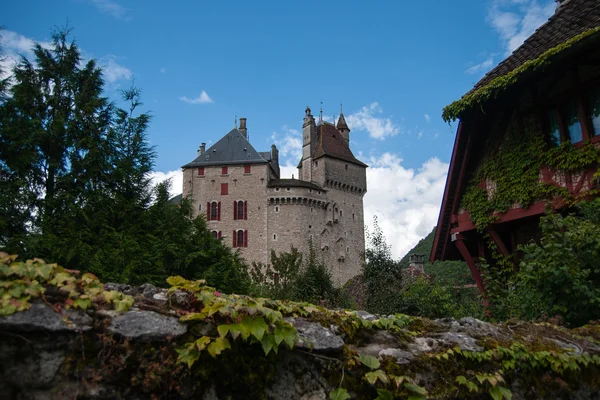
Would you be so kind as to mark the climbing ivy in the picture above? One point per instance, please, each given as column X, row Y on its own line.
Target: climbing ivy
column 22, row 281
column 514, row 168
column 479, row 97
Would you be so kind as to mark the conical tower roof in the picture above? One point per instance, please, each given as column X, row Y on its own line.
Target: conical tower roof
column 341, row 123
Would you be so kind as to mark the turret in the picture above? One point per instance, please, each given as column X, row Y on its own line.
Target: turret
column 342, row 126
column 309, row 142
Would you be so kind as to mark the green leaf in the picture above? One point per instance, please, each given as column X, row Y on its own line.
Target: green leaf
column 505, row 392
column 496, row 393
column 268, row 344
column 188, row 354
column 176, row 281
column 384, row 395
column 373, row 376
column 415, row 389
column 369, row 361
column 339, row 394
column 256, row 326
column 216, row 347
column 202, row 343
column 287, row 333
column 82, row 303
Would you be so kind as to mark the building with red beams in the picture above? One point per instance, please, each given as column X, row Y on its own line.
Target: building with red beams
column 528, row 140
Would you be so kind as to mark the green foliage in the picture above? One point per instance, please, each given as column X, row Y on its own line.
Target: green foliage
column 75, row 186
column 381, row 274
column 433, row 300
column 22, row 281
column 478, row 98
column 560, row 275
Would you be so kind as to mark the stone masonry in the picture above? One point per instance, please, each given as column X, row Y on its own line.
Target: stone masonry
column 247, row 205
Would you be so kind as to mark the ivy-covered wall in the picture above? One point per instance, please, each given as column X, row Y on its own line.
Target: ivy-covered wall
column 68, row 336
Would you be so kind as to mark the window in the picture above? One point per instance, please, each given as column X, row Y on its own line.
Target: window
column 341, row 213
column 200, row 171
column 346, row 167
column 594, row 104
column 274, row 236
column 316, row 163
column 276, row 209
column 224, row 170
column 353, row 216
column 224, row 189
column 240, row 238
column 213, row 211
column 240, row 210
column 247, row 169
column 576, row 120
column 572, row 122
column 277, row 189
column 311, row 210
column 214, row 234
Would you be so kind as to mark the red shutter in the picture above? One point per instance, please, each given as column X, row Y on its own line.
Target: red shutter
column 223, row 170
column 235, row 210
column 201, row 171
column 245, row 210
column 247, row 169
column 208, row 210
column 234, row 238
column 246, row 238
column 220, row 235
column 224, row 189
column 219, row 211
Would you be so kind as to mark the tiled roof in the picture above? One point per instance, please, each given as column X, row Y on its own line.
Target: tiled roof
column 572, row 18
column 233, row 148
column 331, row 143
column 294, row 183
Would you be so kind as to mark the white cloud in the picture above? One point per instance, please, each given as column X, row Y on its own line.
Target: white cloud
column 203, row 98
column 366, row 119
column 113, row 71
column 405, row 201
column 516, row 20
column 427, row 117
column 483, row 66
column 112, row 8
column 289, row 143
column 176, row 180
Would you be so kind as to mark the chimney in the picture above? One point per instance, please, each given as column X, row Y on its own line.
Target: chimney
column 243, row 128
column 201, row 148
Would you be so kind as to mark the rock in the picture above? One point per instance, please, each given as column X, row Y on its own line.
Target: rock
column 146, row 326
column 401, row 356
column 464, row 341
column 148, row 290
column 314, row 336
column 366, row 315
column 160, row 296
column 41, row 317
column 298, row 378
column 120, row 287
column 180, row 298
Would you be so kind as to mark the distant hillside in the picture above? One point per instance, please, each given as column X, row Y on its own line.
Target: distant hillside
column 450, row 272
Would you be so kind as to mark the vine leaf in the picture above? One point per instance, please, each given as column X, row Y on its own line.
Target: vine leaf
column 268, row 344
column 339, row 394
column 499, row 392
column 202, row 343
column 369, row 361
column 373, row 376
column 188, row 354
column 256, row 326
column 216, row 347
column 285, row 333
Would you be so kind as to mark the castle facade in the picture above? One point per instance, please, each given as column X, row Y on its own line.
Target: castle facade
column 252, row 209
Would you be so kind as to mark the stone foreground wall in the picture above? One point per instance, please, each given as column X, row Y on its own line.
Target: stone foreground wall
column 48, row 353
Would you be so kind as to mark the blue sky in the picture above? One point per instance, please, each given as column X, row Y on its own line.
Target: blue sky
column 393, row 64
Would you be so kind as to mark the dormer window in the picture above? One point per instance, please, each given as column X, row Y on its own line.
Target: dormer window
column 575, row 120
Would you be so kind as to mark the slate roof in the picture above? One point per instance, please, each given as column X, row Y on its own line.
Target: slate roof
column 233, row 148
column 331, row 143
column 572, row 18
column 285, row 183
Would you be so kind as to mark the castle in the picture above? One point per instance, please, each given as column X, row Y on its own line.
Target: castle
column 251, row 208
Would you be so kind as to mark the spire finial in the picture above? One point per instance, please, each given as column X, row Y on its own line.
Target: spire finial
column 235, row 122
column 341, row 112
column 321, row 114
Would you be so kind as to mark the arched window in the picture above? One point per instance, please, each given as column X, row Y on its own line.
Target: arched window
column 213, row 211
column 240, row 209
column 214, row 234
column 240, row 238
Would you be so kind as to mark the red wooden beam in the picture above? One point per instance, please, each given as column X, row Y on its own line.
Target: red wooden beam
column 498, row 241
column 464, row 252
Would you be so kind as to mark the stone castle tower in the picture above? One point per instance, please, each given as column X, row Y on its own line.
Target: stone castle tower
column 249, row 207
